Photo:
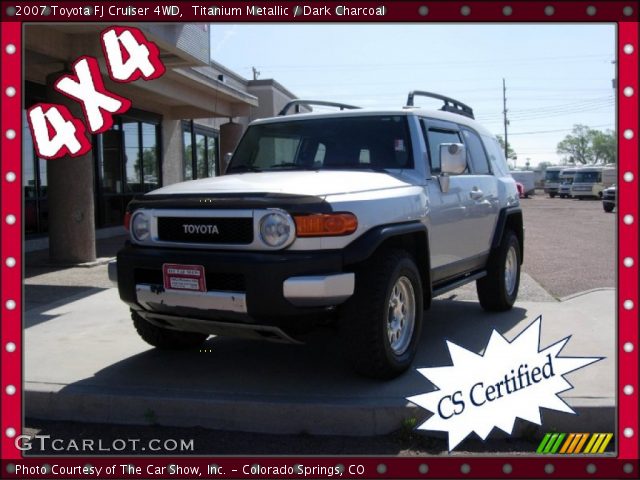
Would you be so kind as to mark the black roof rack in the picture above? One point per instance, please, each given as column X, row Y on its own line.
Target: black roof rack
column 297, row 103
column 450, row 105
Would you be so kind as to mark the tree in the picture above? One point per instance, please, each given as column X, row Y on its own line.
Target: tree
column 585, row 145
column 603, row 145
column 511, row 154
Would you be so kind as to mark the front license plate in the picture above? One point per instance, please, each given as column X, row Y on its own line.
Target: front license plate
column 184, row 277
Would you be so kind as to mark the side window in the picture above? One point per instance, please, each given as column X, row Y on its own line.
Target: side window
column 496, row 157
column 475, row 151
column 435, row 137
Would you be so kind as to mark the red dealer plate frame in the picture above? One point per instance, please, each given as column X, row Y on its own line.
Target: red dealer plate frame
column 176, row 276
column 624, row 465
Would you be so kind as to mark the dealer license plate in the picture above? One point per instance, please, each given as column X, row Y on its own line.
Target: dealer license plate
column 184, row 277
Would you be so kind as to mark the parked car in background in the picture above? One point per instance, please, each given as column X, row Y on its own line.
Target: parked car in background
column 520, row 188
column 589, row 182
column 566, row 180
column 552, row 180
column 609, row 198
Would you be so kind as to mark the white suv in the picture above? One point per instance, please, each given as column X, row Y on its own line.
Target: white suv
column 354, row 217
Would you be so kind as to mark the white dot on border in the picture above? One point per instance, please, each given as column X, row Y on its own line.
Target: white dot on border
column 628, row 219
column 10, row 134
column 10, row 390
column 549, row 468
column 628, row 176
column 381, row 468
column 628, row 389
column 10, row 432
column 507, row 468
column 628, row 49
column 10, row 91
column 627, row 11
column 11, row 219
column 423, row 468
column 465, row 468
column 628, row 432
column 10, row 304
column 10, row 177
column 507, row 11
column 628, row 347
column 628, row 134
column 10, row 262
column 10, row 347
column 423, row 10
column 10, row 49
column 627, row 468
column 591, row 468
column 591, row 10
column 628, row 304
column 628, row 262
column 549, row 10
column 628, row 91
column 465, row 10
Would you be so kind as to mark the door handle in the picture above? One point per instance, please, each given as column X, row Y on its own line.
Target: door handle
column 476, row 194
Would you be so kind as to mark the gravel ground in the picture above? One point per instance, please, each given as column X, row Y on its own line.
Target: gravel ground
column 570, row 245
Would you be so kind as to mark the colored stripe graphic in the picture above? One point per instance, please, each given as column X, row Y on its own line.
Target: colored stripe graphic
column 573, row 443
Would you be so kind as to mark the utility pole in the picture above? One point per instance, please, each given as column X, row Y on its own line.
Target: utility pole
column 506, row 122
column 256, row 72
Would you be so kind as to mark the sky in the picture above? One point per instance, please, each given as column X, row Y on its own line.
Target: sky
column 557, row 75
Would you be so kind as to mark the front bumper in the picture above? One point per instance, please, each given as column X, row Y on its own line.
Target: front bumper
column 250, row 286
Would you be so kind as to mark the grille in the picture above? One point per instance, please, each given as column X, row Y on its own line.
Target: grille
column 237, row 231
column 226, row 282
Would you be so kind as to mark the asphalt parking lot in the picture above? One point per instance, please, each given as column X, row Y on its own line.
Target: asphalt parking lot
column 570, row 245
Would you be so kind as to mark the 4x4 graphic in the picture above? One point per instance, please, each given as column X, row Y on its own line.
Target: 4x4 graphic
column 354, row 217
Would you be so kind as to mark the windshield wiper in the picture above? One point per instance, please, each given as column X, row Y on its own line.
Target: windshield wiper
column 292, row 165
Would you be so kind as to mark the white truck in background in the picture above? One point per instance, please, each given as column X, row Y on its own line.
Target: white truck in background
column 527, row 179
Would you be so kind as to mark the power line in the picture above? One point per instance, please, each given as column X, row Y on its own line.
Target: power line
column 558, row 130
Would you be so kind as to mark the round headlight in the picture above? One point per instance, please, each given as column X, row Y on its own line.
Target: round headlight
column 275, row 229
column 140, row 227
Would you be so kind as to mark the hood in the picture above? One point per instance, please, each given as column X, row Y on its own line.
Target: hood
column 317, row 183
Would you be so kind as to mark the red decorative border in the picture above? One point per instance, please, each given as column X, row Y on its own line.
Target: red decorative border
column 625, row 465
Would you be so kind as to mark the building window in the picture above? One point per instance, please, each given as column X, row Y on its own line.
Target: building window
column 34, row 185
column 200, row 146
column 128, row 164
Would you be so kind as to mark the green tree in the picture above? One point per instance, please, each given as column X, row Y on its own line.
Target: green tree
column 585, row 145
column 511, row 154
column 603, row 145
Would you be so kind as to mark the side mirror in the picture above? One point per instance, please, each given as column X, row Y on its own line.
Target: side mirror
column 453, row 158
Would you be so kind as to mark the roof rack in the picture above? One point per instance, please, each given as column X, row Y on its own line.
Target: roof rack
column 450, row 105
column 306, row 103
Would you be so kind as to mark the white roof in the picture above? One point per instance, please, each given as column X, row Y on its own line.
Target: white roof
column 361, row 112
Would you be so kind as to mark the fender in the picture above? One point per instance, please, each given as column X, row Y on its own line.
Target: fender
column 509, row 215
column 365, row 245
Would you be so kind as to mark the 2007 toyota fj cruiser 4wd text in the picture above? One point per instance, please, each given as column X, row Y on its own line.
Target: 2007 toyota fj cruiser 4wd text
column 358, row 217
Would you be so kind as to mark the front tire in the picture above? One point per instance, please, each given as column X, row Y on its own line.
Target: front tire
column 607, row 208
column 381, row 323
column 498, row 290
column 166, row 339
column 552, row 195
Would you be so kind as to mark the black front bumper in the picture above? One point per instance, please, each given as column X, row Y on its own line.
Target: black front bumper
column 259, row 275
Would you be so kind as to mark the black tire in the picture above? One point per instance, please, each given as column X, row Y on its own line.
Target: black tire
column 493, row 293
column 164, row 338
column 552, row 195
column 607, row 208
column 561, row 196
column 364, row 322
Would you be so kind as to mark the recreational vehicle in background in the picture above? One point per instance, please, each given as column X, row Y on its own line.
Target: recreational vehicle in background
column 552, row 180
column 589, row 182
column 527, row 179
column 566, row 180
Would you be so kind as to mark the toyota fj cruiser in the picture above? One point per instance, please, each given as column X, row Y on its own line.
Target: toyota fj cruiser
column 353, row 217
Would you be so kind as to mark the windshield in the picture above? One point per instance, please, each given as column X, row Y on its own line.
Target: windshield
column 587, row 177
column 374, row 142
column 552, row 176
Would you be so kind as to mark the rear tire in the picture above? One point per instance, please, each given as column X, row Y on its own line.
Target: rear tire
column 498, row 290
column 381, row 323
column 607, row 208
column 166, row 339
column 552, row 195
